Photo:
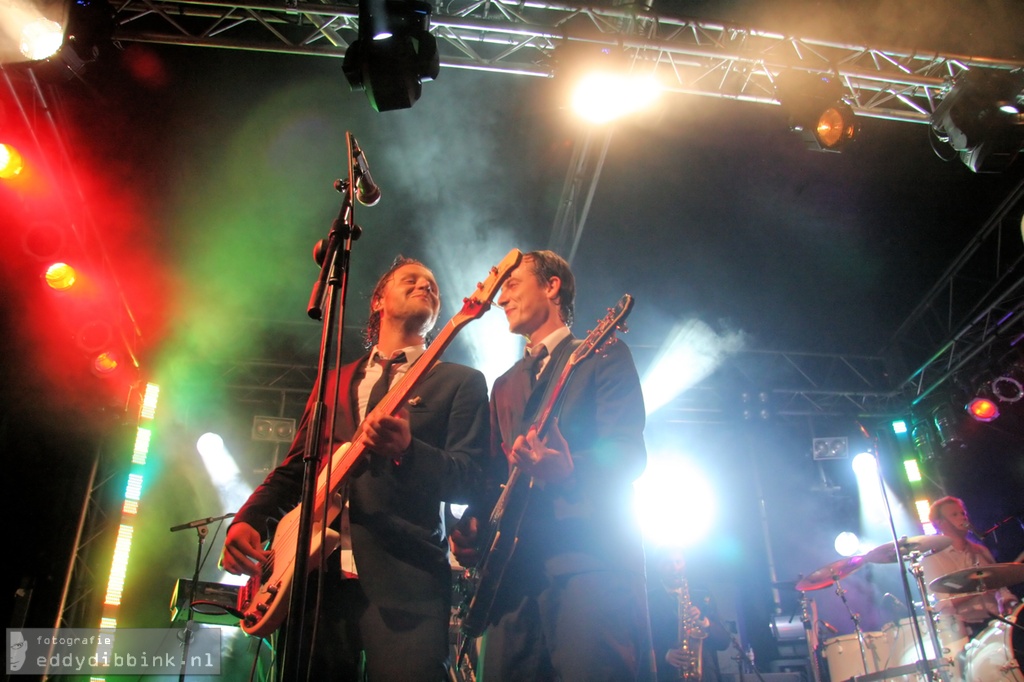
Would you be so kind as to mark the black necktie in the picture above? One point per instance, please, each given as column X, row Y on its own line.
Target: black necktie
column 380, row 389
column 535, row 364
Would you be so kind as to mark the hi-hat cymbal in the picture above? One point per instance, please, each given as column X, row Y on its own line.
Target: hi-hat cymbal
column 979, row 579
column 886, row 554
column 826, row 575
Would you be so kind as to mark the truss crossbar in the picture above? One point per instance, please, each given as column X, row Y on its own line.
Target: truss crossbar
column 690, row 56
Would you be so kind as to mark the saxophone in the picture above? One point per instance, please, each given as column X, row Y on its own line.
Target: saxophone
column 691, row 635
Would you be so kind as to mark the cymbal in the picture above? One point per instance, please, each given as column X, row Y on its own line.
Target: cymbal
column 826, row 575
column 979, row 579
column 886, row 554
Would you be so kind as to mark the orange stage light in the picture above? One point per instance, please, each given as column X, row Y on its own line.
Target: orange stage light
column 983, row 409
column 60, row 276
column 105, row 364
column 11, row 163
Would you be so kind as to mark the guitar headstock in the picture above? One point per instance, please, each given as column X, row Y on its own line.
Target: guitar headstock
column 601, row 335
column 477, row 303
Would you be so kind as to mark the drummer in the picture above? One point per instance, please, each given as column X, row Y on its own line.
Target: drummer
column 949, row 516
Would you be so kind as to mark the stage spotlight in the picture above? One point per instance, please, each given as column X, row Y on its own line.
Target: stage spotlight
column 60, row 276
column 94, row 335
column 981, row 118
column 41, row 39
column 603, row 84
column 947, row 426
column 1007, row 389
column 924, row 442
column 11, row 163
column 32, row 30
column 830, row 448
column 847, row 543
column 816, row 110
column 394, row 53
column 864, row 465
column 105, row 364
column 273, row 429
column 983, row 409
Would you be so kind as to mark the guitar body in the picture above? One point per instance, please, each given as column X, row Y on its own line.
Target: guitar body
column 499, row 544
column 263, row 600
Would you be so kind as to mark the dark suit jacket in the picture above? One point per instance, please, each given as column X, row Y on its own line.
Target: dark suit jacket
column 588, row 522
column 398, row 535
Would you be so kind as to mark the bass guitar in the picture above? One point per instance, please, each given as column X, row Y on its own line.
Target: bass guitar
column 263, row 600
column 502, row 533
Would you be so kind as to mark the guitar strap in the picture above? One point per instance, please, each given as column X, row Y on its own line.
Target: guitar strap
column 546, row 383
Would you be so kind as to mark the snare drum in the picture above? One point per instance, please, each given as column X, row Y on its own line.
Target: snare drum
column 995, row 655
column 842, row 654
column 903, row 643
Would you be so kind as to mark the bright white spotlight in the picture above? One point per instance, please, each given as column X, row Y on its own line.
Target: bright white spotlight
column 847, row 543
column 674, row 502
column 600, row 97
column 223, row 471
column 210, row 445
column 227, row 479
column 41, row 38
column 691, row 353
column 864, row 465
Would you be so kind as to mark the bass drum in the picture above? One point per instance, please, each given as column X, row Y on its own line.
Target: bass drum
column 842, row 654
column 996, row 654
column 903, row 643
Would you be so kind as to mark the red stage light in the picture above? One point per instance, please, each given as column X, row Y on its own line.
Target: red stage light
column 11, row 163
column 983, row 409
column 105, row 364
column 60, row 276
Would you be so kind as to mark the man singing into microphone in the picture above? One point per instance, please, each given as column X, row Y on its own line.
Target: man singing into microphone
column 949, row 516
column 387, row 594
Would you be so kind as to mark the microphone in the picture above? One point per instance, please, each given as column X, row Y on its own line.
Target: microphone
column 895, row 602
column 201, row 522
column 367, row 191
column 831, row 628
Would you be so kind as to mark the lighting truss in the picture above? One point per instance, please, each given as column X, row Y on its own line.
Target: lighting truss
column 692, row 56
column 975, row 309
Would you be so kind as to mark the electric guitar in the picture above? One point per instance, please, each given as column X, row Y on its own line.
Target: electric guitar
column 502, row 533
column 263, row 600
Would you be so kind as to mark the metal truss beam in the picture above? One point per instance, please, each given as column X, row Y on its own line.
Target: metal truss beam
column 691, row 56
column 974, row 314
column 768, row 385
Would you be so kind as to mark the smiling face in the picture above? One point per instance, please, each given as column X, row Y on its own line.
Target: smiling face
column 409, row 300
column 531, row 306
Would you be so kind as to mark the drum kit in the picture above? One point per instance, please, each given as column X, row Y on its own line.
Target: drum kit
column 905, row 650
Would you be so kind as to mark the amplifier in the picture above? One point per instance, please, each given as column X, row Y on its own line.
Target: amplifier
column 213, row 603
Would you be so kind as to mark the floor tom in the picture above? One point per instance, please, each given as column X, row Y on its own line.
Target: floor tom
column 903, row 648
column 843, row 655
column 996, row 654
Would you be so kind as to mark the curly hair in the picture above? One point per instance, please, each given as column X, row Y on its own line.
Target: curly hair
column 548, row 264
column 372, row 332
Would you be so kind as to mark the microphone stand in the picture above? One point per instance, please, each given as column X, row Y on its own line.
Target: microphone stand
column 327, row 303
column 202, row 530
column 925, row 665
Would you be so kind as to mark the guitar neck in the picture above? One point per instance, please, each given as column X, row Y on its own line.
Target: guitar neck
column 389, row 405
column 554, row 400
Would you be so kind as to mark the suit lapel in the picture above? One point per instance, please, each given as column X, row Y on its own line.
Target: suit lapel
column 538, row 397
